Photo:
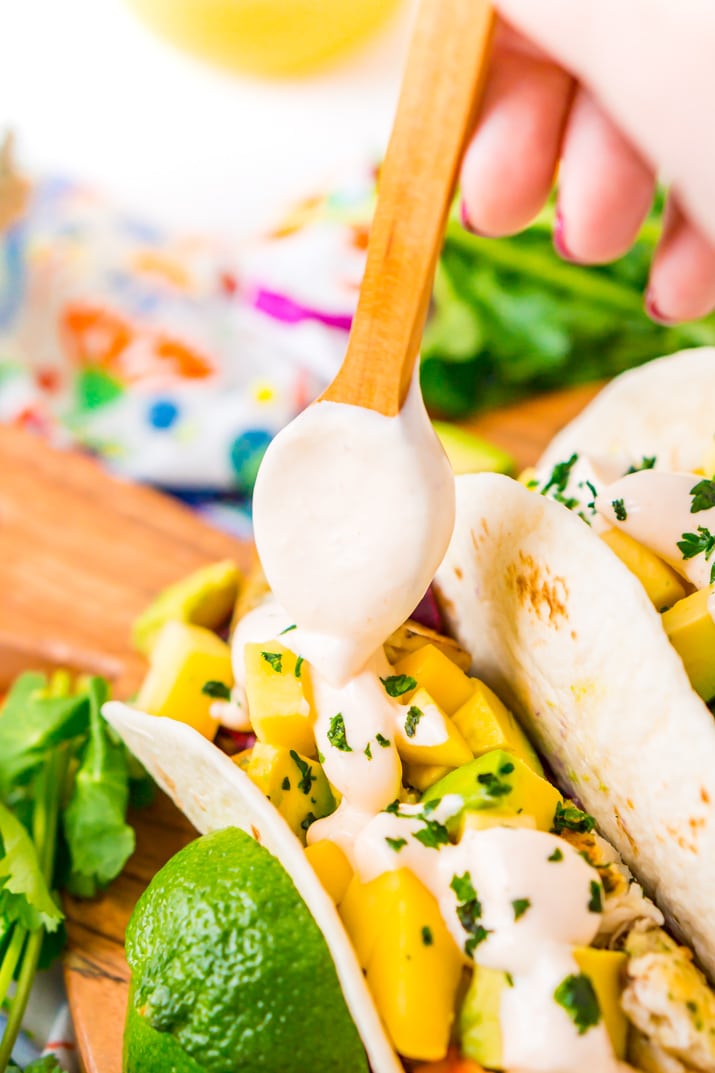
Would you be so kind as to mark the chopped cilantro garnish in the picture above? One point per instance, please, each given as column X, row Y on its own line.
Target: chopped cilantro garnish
column 336, row 734
column 288, row 629
column 578, row 998
column 693, row 544
column 381, row 740
column 480, row 934
column 571, row 818
column 506, row 768
column 432, row 835
column 557, row 855
column 393, row 807
column 595, row 904
column 560, row 475
column 520, row 906
column 463, row 888
column 285, row 785
column 647, row 462
column 309, row 819
column 427, row 936
column 412, row 719
column 321, row 757
column 368, row 751
column 397, row 684
column 219, row 690
column 275, row 659
column 306, row 772
column 493, row 785
column 396, row 843
column 469, row 911
column 619, row 509
column 509, row 979
column 703, row 494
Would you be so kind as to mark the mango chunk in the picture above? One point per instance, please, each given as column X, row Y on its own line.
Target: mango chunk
column 422, row 776
column 277, row 705
column 412, row 636
column 414, row 971
column 424, row 734
column 481, row 820
column 501, row 783
column 204, row 598
column 183, row 659
column 331, row 867
column 295, row 784
column 605, row 969
column 661, row 583
column 691, row 630
column 485, row 724
column 448, row 686
column 365, row 912
column 480, row 1031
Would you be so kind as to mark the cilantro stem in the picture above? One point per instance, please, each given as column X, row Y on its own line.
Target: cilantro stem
column 10, row 960
column 19, row 1000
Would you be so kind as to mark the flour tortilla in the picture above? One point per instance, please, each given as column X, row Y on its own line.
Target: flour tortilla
column 665, row 408
column 566, row 635
column 213, row 792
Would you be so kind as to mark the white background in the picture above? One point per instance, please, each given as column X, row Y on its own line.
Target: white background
column 92, row 94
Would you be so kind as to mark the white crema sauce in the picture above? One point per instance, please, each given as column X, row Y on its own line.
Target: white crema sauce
column 655, row 508
column 353, row 512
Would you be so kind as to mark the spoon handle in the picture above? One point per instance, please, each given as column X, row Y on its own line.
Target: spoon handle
column 440, row 95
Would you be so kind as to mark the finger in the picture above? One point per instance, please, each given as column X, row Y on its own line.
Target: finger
column 509, row 167
column 682, row 276
column 605, row 187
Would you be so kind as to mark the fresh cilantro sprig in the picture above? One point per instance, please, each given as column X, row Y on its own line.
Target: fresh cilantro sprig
column 702, row 542
column 578, row 998
column 703, row 494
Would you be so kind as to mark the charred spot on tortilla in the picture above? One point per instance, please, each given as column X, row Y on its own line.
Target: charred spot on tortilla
column 624, row 830
column 535, row 587
column 704, row 795
column 458, row 572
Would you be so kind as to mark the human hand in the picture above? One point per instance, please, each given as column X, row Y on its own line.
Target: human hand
column 612, row 93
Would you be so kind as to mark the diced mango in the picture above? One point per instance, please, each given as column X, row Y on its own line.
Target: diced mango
column 502, row 783
column 424, row 734
column 485, row 723
column 422, row 776
column 691, row 630
column 183, row 659
column 483, row 819
column 365, row 912
column 331, row 867
column 277, row 705
column 295, row 784
column 661, row 583
column 412, row 636
column 605, row 970
column 480, row 1031
column 204, row 598
column 414, row 971
column 446, row 684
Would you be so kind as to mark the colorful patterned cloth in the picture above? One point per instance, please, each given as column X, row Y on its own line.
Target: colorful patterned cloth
column 175, row 358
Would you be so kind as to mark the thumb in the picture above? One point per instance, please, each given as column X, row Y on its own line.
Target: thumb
column 649, row 63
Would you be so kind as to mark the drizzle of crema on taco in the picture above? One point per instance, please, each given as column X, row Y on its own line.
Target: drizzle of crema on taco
column 476, row 919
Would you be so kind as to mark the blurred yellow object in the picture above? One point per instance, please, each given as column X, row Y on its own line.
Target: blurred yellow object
column 266, row 37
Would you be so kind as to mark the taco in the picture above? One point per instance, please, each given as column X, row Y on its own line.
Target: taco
column 476, row 917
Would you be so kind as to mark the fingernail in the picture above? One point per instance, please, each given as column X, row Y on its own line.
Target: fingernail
column 654, row 311
column 559, row 239
column 464, row 216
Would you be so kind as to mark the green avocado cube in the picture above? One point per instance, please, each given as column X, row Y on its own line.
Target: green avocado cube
column 204, row 598
column 480, row 1017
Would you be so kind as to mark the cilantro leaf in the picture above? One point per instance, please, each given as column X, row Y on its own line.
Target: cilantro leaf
column 411, row 720
column 274, row 659
column 647, row 462
column 24, row 895
column 219, row 690
column 560, row 475
column 381, row 740
column 520, row 906
column 307, row 778
column 432, row 835
column 595, row 904
column 703, row 494
column 98, row 838
column 398, row 684
column 578, row 998
column 570, row 818
column 619, row 509
column 336, row 734
column 396, row 843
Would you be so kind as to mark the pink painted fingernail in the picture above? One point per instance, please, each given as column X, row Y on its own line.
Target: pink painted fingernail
column 654, row 311
column 464, row 216
column 559, row 238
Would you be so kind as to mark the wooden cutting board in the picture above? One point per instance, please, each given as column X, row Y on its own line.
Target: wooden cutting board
column 81, row 554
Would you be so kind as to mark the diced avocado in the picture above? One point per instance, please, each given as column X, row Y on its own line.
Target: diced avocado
column 500, row 782
column 331, row 867
column 480, row 1017
column 412, row 636
column 434, row 671
column 661, row 583
column 183, row 660
column 468, row 453
column 295, row 784
column 486, row 724
column 424, row 734
column 204, row 598
column 691, row 630
column 275, row 690
column 605, row 970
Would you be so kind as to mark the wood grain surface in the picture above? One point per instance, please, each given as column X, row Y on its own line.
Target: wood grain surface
column 81, row 553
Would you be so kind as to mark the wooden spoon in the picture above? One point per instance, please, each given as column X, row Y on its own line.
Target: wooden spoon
column 435, row 116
